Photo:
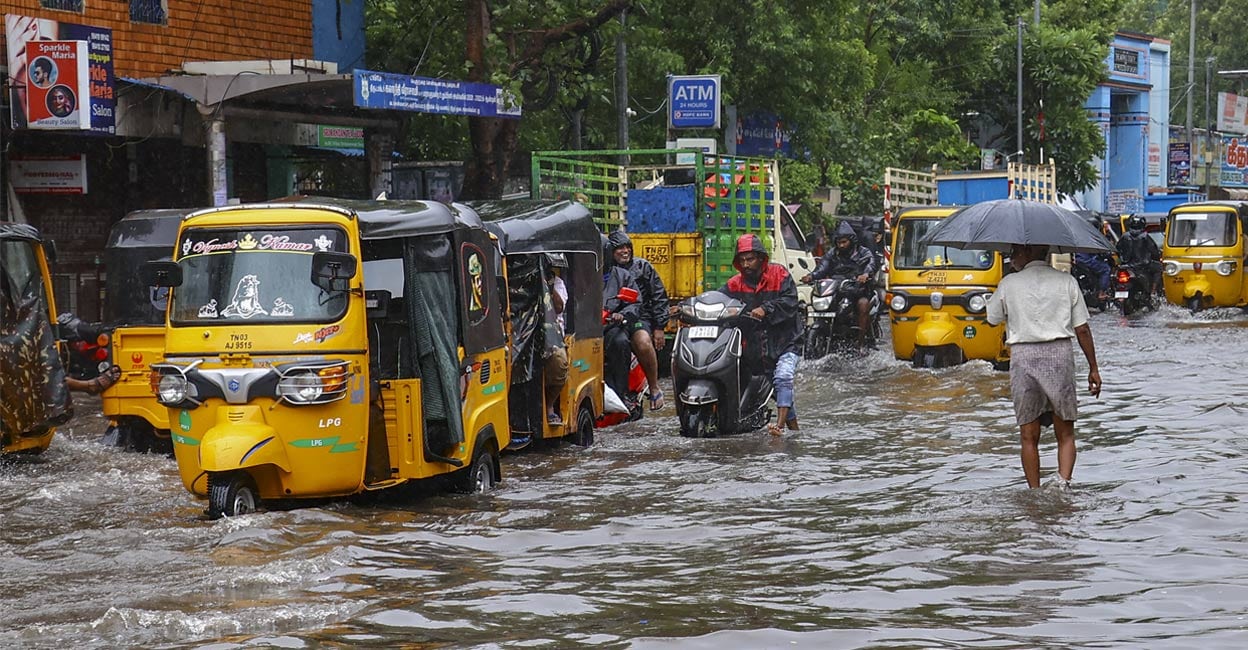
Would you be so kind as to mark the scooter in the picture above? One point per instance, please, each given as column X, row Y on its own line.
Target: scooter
column 88, row 345
column 629, row 408
column 717, row 369
column 834, row 312
column 1131, row 291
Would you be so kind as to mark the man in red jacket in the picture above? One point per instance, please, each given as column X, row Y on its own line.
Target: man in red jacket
column 770, row 295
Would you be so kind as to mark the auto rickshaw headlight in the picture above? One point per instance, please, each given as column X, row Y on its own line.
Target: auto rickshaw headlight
column 302, row 387
column 898, row 303
column 173, row 389
column 1171, row 268
column 976, row 303
column 313, row 384
column 1225, row 267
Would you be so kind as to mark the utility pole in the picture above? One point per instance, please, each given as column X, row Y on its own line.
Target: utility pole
column 621, row 83
column 1191, row 67
column 1037, row 20
column 1208, row 127
column 1020, row 86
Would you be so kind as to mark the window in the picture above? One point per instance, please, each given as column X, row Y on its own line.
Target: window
column 153, row 12
column 62, row 5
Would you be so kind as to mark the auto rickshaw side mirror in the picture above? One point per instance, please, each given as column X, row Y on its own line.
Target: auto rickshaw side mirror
column 161, row 274
column 332, row 270
column 49, row 250
column 801, row 261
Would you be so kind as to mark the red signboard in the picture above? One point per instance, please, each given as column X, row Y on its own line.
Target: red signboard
column 58, row 89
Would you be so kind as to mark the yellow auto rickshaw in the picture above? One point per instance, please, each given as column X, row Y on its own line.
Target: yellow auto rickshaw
column 33, row 395
column 938, row 296
column 135, row 314
column 1203, row 257
column 540, row 239
column 326, row 348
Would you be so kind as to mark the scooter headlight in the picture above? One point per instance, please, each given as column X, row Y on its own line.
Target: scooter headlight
column 1171, row 268
column 173, row 389
column 898, row 303
column 822, row 303
column 1225, row 267
column 707, row 310
column 976, row 303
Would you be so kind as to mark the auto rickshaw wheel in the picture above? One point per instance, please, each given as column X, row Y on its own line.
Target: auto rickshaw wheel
column 583, row 435
column 231, row 494
column 480, row 477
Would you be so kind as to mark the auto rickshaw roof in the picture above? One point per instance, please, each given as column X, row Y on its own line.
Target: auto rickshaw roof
column 379, row 219
column 1188, row 207
column 535, row 226
column 148, row 228
column 24, row 231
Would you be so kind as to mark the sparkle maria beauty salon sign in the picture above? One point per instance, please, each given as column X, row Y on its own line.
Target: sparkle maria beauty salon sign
column 60, row 75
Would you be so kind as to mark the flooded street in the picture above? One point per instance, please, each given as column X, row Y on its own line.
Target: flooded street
column 897, row 517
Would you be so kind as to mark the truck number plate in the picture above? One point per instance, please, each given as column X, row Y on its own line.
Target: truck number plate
column 703, row 332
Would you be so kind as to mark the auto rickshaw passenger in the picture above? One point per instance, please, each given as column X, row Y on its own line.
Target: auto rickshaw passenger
column 849, row 259
column 555, row 368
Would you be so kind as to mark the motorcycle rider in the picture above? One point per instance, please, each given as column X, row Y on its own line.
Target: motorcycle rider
column 648, row 334
column 849, row 259
column 619, row 319
column 1136, row 249
column 769, row 293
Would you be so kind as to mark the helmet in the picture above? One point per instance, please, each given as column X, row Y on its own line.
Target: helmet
column 1135, row 223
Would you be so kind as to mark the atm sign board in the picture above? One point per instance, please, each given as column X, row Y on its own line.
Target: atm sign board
column 694, row 101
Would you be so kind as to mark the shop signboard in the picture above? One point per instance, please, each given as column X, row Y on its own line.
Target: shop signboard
column 340, row 137
column 27, row 40
column 763, row 134
column 1233, row 171
column 49, row 175
column 400, row 92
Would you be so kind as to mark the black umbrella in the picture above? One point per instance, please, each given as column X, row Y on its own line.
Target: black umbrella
column 998, row 225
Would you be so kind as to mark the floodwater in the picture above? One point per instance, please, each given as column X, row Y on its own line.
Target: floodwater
column 896, row 518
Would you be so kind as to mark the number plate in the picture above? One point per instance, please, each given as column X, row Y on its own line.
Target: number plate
column 703, row 332
column 1119, row 295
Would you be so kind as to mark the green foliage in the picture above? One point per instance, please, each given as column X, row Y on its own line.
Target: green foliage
column 865, row 84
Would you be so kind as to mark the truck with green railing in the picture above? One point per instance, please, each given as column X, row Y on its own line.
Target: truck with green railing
column 683, row 209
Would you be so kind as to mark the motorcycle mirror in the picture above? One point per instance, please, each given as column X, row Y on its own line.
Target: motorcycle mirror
column 628, row 295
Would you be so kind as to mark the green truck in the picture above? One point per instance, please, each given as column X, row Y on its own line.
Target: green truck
column 684, row 209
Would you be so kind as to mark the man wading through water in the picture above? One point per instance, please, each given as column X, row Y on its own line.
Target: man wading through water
column 1043, row 309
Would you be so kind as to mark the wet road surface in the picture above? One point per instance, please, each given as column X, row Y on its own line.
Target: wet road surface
column 897, row 517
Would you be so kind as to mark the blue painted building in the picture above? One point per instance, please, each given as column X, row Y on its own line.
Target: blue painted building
column 1132, row 108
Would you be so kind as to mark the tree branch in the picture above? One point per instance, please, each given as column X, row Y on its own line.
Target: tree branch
column 548, row 38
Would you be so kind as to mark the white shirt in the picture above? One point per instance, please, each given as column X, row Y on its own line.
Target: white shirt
column 1038, row 304
column 561, row 290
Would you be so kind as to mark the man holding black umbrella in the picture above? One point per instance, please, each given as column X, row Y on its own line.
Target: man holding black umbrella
column 1043, row 310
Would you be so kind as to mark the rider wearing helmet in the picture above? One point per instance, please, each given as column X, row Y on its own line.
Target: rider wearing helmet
column 849, row 259
column 1136, row 249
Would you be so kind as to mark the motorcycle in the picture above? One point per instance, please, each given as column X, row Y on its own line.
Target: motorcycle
column 717, row 370
column 88, row 345
column 834, row 311
column 1131, row 290
column 1087, row 286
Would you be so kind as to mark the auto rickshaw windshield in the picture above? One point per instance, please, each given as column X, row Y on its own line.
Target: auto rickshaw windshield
column 257, row 275
column 1202, row 229
column 911, row 253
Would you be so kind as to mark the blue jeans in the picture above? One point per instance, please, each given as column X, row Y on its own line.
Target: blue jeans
column 786, row 367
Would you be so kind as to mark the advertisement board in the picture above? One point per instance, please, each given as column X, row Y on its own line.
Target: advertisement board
column 693, row 101
column 1180, row 164
column 58, row 83
column 94, row 98
column 1233, row 172
column 1232, row 113
column 49, row 175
